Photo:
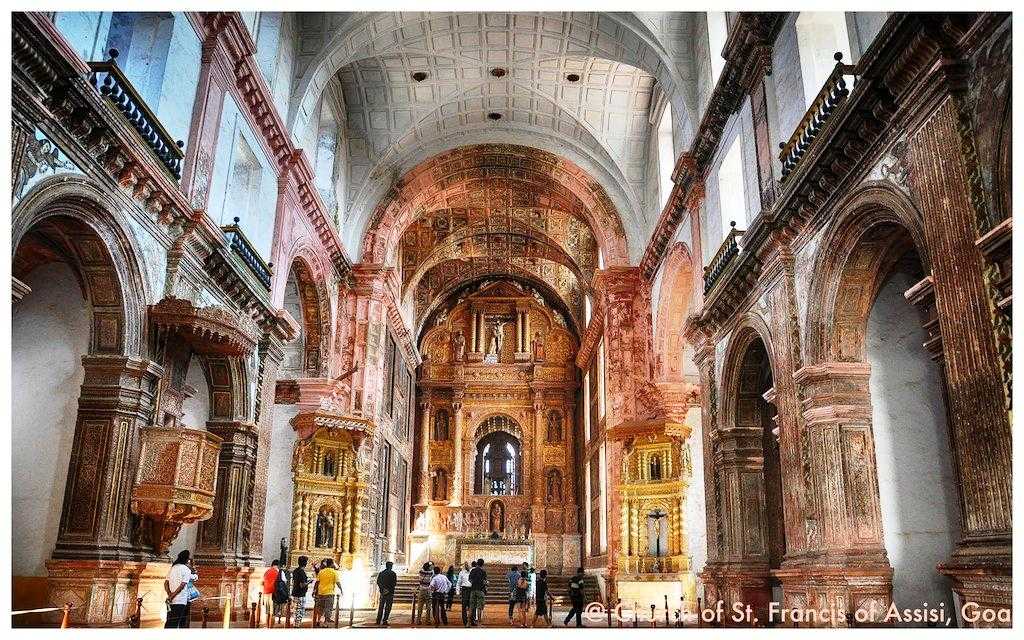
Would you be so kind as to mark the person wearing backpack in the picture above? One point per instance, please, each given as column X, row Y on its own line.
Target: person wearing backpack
column 282, row 593
column 300, row 584
column 477, row 593
column 511, row 578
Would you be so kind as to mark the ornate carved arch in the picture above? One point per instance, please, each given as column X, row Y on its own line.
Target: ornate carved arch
column 750, row 328
column 674, row 303
column 314, row 304
column 67, row 219
column 875, row 227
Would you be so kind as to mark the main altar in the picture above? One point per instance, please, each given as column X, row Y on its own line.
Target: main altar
column 495, row 444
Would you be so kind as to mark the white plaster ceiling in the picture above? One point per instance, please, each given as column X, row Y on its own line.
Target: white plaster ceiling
column 394, row 122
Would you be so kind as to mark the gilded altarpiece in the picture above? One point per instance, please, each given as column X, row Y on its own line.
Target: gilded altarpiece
column 326, row 507
column 496, row 397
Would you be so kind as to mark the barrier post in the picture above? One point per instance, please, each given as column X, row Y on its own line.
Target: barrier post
column 252, row 616
column 227, row 612
column 700, row 612
column 654, row 622
column 667, row 624
column 337, row 610
column 65, row 621
column 288, row 614
column 609, row 615
column 618, row 611
column 352, row 611
column 636, row 622
column 204, row 612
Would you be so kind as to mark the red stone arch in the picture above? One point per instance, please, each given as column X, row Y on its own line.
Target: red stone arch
column 67, row 220
column 675, row 299
column 874, row 228
column 478, row 169
column 315, row 312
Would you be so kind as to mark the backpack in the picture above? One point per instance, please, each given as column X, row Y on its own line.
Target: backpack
column 281, row 591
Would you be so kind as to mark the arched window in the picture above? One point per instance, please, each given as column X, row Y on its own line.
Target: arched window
column 718, row 33
column 731, row 193
column 666, row 155
column 498, row 465
column 820, row 35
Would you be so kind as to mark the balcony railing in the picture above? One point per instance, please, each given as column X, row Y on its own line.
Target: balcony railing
column 832, row 95
column 108, row 78
column 244, row 250
column 726, row 253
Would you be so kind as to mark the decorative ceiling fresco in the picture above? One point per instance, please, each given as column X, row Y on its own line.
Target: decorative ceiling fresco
column 579, row 85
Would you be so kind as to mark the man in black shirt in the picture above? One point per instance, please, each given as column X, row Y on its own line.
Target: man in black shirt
column 386, row 581
column 576, row 598
column 300, row 583
column 478, row 589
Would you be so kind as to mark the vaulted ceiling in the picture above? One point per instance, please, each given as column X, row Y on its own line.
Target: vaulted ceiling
column 576, row 85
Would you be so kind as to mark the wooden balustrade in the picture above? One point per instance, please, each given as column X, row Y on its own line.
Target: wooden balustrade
column 108, row 78
column 726, row 253
column 831, row 96
column 241, row 246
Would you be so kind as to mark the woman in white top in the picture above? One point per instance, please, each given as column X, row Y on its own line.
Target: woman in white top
column 176, row 586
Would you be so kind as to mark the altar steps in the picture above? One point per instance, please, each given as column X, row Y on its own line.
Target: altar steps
column 497, row 588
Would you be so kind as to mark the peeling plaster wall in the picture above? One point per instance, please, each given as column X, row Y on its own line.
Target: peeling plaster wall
column 917, row 488
column 49, row 336
column 695, row 518
column 277, row 520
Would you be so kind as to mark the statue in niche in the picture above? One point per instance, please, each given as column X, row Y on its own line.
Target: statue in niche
column 554, row 433
column 284, row 553
column 459, row 346
column 497, row 339
column 553, row 493
column 441, row 425
column 655, row 467
column 537, row 346
column 439, row 489
column 324, row 529
column 329, row 464
column 496, row 519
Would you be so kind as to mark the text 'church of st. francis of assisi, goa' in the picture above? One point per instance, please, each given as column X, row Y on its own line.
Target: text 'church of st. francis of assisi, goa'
column 714, row 305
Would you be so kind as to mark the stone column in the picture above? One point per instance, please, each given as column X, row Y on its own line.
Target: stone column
column 946, row 181
column 536, row 461
column 473, row 344
column 424, row 457
column 222, row 540
column 97, row 551
column 457, row 480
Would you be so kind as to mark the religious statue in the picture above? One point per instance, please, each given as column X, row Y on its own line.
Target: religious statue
column 459, row 346
column 496, row 519
column 554, row 486
column 284, row 552
column 497, row 339
column 324, row 529
column 329, row 467
column 441, row 425
column 554, row 433
column 537, row 346
column 439, row 490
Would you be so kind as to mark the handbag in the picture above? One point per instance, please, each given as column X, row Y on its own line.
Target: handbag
column 193, row 593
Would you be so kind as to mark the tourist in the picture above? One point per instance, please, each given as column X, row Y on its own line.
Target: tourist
column 328, row 581
column 300, row 584
column 512, row 577
column 464, row 588
column 450, row 574
column 269, row 578
column 531, row 594
column 541, row 608
column 439, row 588
column 521, row 593
column 282, row 592
column 422, row 602
column 176, row 586
column 478, row 592
column 576, row 598
column 386, row 581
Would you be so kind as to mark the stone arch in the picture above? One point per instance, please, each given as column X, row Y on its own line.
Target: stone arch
column 67, row 219
column 313, row 301
column 749, row 329
column 675, row 300
column 228, row 380
column 495, row 167
column 875, row 227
